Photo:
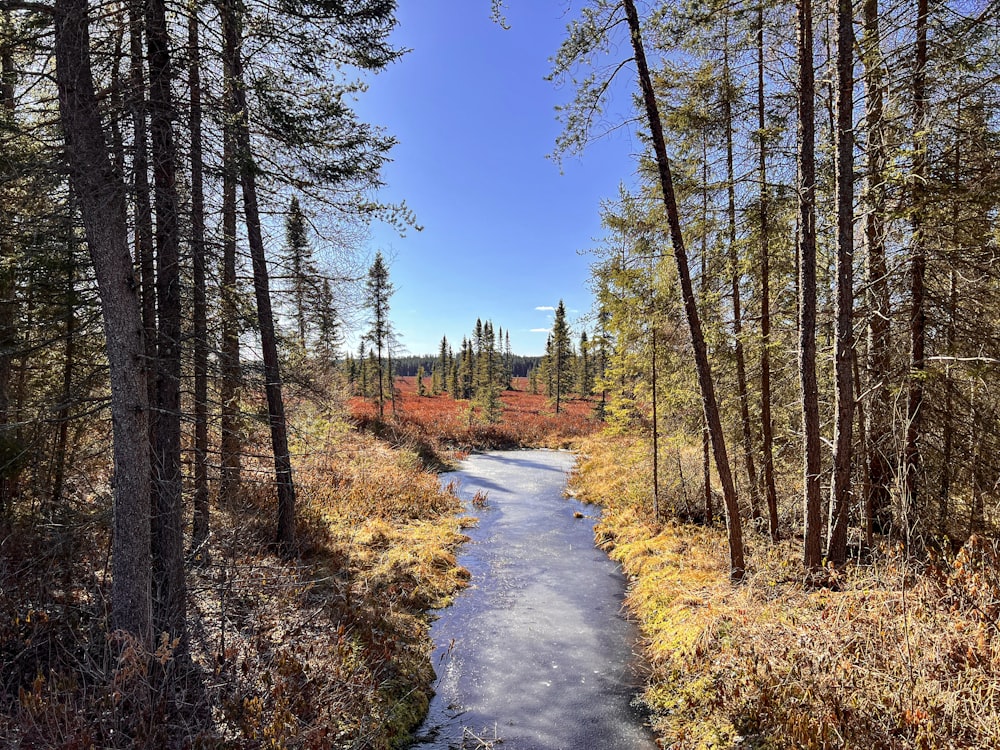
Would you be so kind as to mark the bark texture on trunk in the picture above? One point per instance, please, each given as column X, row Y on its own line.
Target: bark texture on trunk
column 840, row 500
column 705, row 381
column 878, row 428
column 735, row 277
column 200, row 522
column 269, row 349
column 813, row 552
column 8, row 310
column 766, row 422
column 918, row 269
column 169, row 597
column 102, row 205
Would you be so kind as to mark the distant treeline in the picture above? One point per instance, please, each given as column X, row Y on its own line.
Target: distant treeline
column 407, row 366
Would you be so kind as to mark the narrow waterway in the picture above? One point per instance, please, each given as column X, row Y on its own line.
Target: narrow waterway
column 536, row 653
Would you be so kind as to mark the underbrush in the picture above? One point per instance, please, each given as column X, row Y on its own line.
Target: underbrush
column 891, row 654
column 325, row 649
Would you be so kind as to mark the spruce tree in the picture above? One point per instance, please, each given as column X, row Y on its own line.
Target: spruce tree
column 302, row 270
column 378, row 290
column 584, row 368
column 560, row 358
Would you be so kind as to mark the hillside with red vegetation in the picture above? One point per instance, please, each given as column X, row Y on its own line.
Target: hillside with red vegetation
column 441, row 422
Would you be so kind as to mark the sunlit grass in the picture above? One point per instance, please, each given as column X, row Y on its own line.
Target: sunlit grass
column 886, row 655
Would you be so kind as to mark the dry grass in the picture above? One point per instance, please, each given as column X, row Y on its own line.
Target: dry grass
column 327, row 649
column 888, row 655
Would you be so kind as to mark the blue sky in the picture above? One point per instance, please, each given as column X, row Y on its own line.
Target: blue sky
column 475, row 119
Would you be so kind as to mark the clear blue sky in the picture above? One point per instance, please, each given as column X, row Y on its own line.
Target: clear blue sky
column 503, row 228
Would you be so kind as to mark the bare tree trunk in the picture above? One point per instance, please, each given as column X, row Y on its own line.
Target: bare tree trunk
column 735, row 276
column 69, row 359
column 840, row 501
column 229, row 359
column 878, row 465
column 767, row 425
column 269, row 349
column 705, row 380
column 143, row 209
column 947, row 428
column 169, row 597
column 706, row 472
column 918, row 266
column 704, row 280
column 977, row 518
column 813, row 552
column 656, row 426
column 8, row 305
column 102, row 205
column 200, row 524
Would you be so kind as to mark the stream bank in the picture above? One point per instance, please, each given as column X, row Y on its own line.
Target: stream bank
column 536, row 653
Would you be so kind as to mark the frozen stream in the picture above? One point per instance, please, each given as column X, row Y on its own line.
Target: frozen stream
column 536, row 652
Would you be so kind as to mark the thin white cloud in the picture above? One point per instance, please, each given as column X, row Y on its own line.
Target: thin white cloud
column 546, row 308
column 541, row 330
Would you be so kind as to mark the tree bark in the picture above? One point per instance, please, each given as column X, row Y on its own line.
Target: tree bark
column 767, row 424
column 705, row 380
column 269, row 349
column 142, row 207
column 918, row 267
column 8, row 308
column 102, row 205
column 69, row 359
column 169, row 597
column 840, row 501
column 200, row 522
column 878, row 447
column 812, row 553
column 735, row 277
column 656, row 425
column 229, row 358
column 947, row 428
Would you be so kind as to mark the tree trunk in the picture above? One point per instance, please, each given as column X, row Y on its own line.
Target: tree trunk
column 813, row 552
column 229, row 359
column 735, row 276
column 169, row 597
column 767, row 424
column 656, row 427
column 705, row 381
column 69, row 359
column 947, row 428
column 840, row 501
column 269, row 349
column 142, row 209
column 102, row 206
column 878, row 447
column 200, row 524
column 918, row 265
column 8, row 305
